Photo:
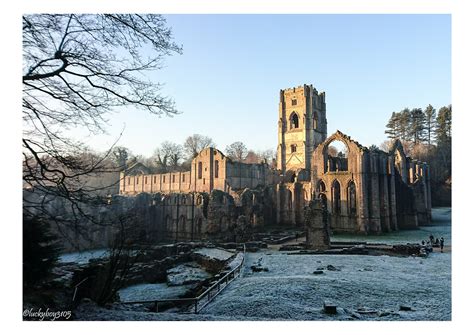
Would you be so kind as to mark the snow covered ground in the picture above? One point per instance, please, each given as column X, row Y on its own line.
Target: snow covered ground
column 290, row 290
column 216, row 253
column 363, row 287
column 82, row 257
column 152, row 291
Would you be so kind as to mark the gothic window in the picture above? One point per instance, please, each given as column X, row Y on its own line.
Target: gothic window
column 154, row 180
column 294, row 102
column 336, row 197
column 128, row 180
column 337, row 153
column 138, row 179
column 294, row 121
column 290, row 200
column 184, row 177
column 351, row 198
column 216, row 169
column 164, row 179
column 315, row 122
column 293, row 148
column 200, row 170
column 322, row 187
column 173, row 178
column 146, row 180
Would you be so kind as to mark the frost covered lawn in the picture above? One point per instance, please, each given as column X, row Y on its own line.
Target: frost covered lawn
column 291, row 291
column 363, row 287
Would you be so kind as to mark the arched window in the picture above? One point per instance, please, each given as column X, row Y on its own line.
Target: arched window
column 323, row 198
column 200, row 170
column 293, row 148
column 216, row 169
column 336, row 197
column 351, row 198
column 315, row 121
column 290, row 200
column 337, row 153
column 321, row 187
column 294, row 121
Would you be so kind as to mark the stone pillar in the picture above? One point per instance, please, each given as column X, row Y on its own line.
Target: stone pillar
column 385, row 209
column 374, row 194
column 317, row 226
column 393, row 196
column 362, row 198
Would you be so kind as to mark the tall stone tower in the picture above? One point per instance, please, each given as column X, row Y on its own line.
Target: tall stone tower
column 302, row 126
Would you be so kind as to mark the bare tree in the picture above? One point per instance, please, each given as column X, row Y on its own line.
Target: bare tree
column 77, row 69
column 195, row 143
column 168, row 156
column 237, row 151
column 121, row 156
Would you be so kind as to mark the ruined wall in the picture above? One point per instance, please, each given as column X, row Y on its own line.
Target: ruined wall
column 317, row 226
column 373, row 191
column 210, row 170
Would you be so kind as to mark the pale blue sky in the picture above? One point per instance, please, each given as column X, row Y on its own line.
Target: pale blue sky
column 227, row 81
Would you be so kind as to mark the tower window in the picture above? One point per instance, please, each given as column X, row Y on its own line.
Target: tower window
column 200, row 170
column 146, row 179
column 294, row 102
column 174, row 178
column 216, row 169
column 293, row 148
column 294, row 121
column 184, row 177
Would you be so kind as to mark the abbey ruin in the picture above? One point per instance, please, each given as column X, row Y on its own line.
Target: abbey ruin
column 364, row 191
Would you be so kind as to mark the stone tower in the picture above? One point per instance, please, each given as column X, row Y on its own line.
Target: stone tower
column 302, row 126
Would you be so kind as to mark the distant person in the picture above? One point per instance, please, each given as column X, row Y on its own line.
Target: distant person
column 441, row 244
column 431, row 239
column 437, row 241
column 423, row 242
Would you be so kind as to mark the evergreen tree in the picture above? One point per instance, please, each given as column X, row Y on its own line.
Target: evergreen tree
column 393, row 126
column 416, row 131
column 40, row 250
column 404, row 121
column 443, row 126
column 430, row 123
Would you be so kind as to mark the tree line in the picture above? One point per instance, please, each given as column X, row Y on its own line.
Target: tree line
column 170, row 156
column 426, row 136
